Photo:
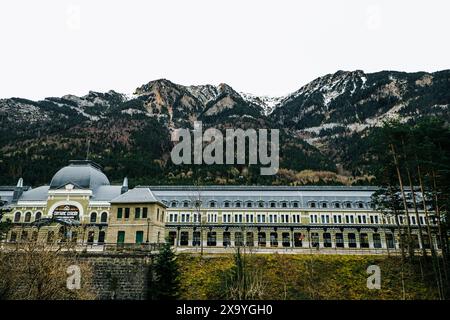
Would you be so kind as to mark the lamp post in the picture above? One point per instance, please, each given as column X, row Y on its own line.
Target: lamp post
column 148, row 229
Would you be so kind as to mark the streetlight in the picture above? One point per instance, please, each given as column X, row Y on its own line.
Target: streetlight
column 148, row 229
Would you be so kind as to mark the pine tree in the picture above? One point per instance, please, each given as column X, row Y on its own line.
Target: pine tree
column 164, row 275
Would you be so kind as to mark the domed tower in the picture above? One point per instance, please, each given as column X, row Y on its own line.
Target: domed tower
column 81, row 174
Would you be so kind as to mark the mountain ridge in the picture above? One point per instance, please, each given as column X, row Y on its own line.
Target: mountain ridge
column 323, row 124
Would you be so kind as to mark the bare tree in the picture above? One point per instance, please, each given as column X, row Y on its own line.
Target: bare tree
column 38, row 271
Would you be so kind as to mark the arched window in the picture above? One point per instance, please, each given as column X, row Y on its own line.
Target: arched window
column 212, row 204
column 104, row 217
column 17, row 217
column 186, row 204
column 93, row 217
column 360, row 205
column 226, row 204
column 337, row 205
column 312, row 204
column 198, row 203
column 173, row 204
column 38, row 216
column 348, row 205
column 28, row 217
column 237, row 204
column 248, row 204
column 324, row 205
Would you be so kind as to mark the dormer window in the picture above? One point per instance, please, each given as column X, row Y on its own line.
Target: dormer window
column 324, row 205
column 237, row 204
column 284, row 204
column 198, row 203
column 173, row 204
column 295, row 204
column 348, row 205
column 226, row 204
column 360, row 205
column 185, row 204
column 337, row 205
column 312, row 204
column 261, row 204
column 212, row 204
column 272, row 204
column 249, row 204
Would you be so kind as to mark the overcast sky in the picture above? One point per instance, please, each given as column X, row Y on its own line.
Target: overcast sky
column 56, row 47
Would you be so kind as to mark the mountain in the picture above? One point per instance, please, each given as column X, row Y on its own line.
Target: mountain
column 324, row 126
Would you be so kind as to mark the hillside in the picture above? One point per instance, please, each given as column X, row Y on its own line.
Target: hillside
column 325, row 127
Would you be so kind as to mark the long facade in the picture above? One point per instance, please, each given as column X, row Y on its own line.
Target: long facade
column 80, row 206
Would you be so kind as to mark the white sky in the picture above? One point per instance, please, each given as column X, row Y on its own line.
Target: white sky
column 56, row 47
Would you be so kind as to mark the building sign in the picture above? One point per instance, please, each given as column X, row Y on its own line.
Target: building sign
column 66, row 212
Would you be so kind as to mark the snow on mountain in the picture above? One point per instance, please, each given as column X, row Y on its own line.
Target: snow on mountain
column 267, row 103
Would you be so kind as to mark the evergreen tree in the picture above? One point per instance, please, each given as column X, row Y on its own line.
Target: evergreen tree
column 164, row 275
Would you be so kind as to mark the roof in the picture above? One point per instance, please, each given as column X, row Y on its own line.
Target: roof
column 260, row 188
column 37, row 194
column 82, row 174
column 106, row 193
column 302, row 195
column 137, row 195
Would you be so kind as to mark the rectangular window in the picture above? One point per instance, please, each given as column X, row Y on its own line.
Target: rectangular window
column 139, row 237
column 211, row 239
column 144, row 213
column 137, row 213
column 119, row 213
column 184, row 238
column 121, row 237
column 127, row 213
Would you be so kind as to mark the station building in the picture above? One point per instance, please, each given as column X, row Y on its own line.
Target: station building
column 80, row 206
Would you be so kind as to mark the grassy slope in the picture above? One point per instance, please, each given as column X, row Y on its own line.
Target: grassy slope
column 307, row 277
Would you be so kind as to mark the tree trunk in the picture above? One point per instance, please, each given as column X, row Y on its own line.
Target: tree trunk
column 442, row 236
column 424, row 251
column 400, row 181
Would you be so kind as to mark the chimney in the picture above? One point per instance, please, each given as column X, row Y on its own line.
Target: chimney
column 124, row 186
column 18, row 191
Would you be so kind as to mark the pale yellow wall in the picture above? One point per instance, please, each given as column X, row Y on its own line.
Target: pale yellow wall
column 154, row 223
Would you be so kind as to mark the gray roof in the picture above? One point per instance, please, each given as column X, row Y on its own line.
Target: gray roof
column 137, row 195
column 303, row 195
column 38, row 194
column 260, row 188
column 83, row 174
column 6, row 194
column 106, row 193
